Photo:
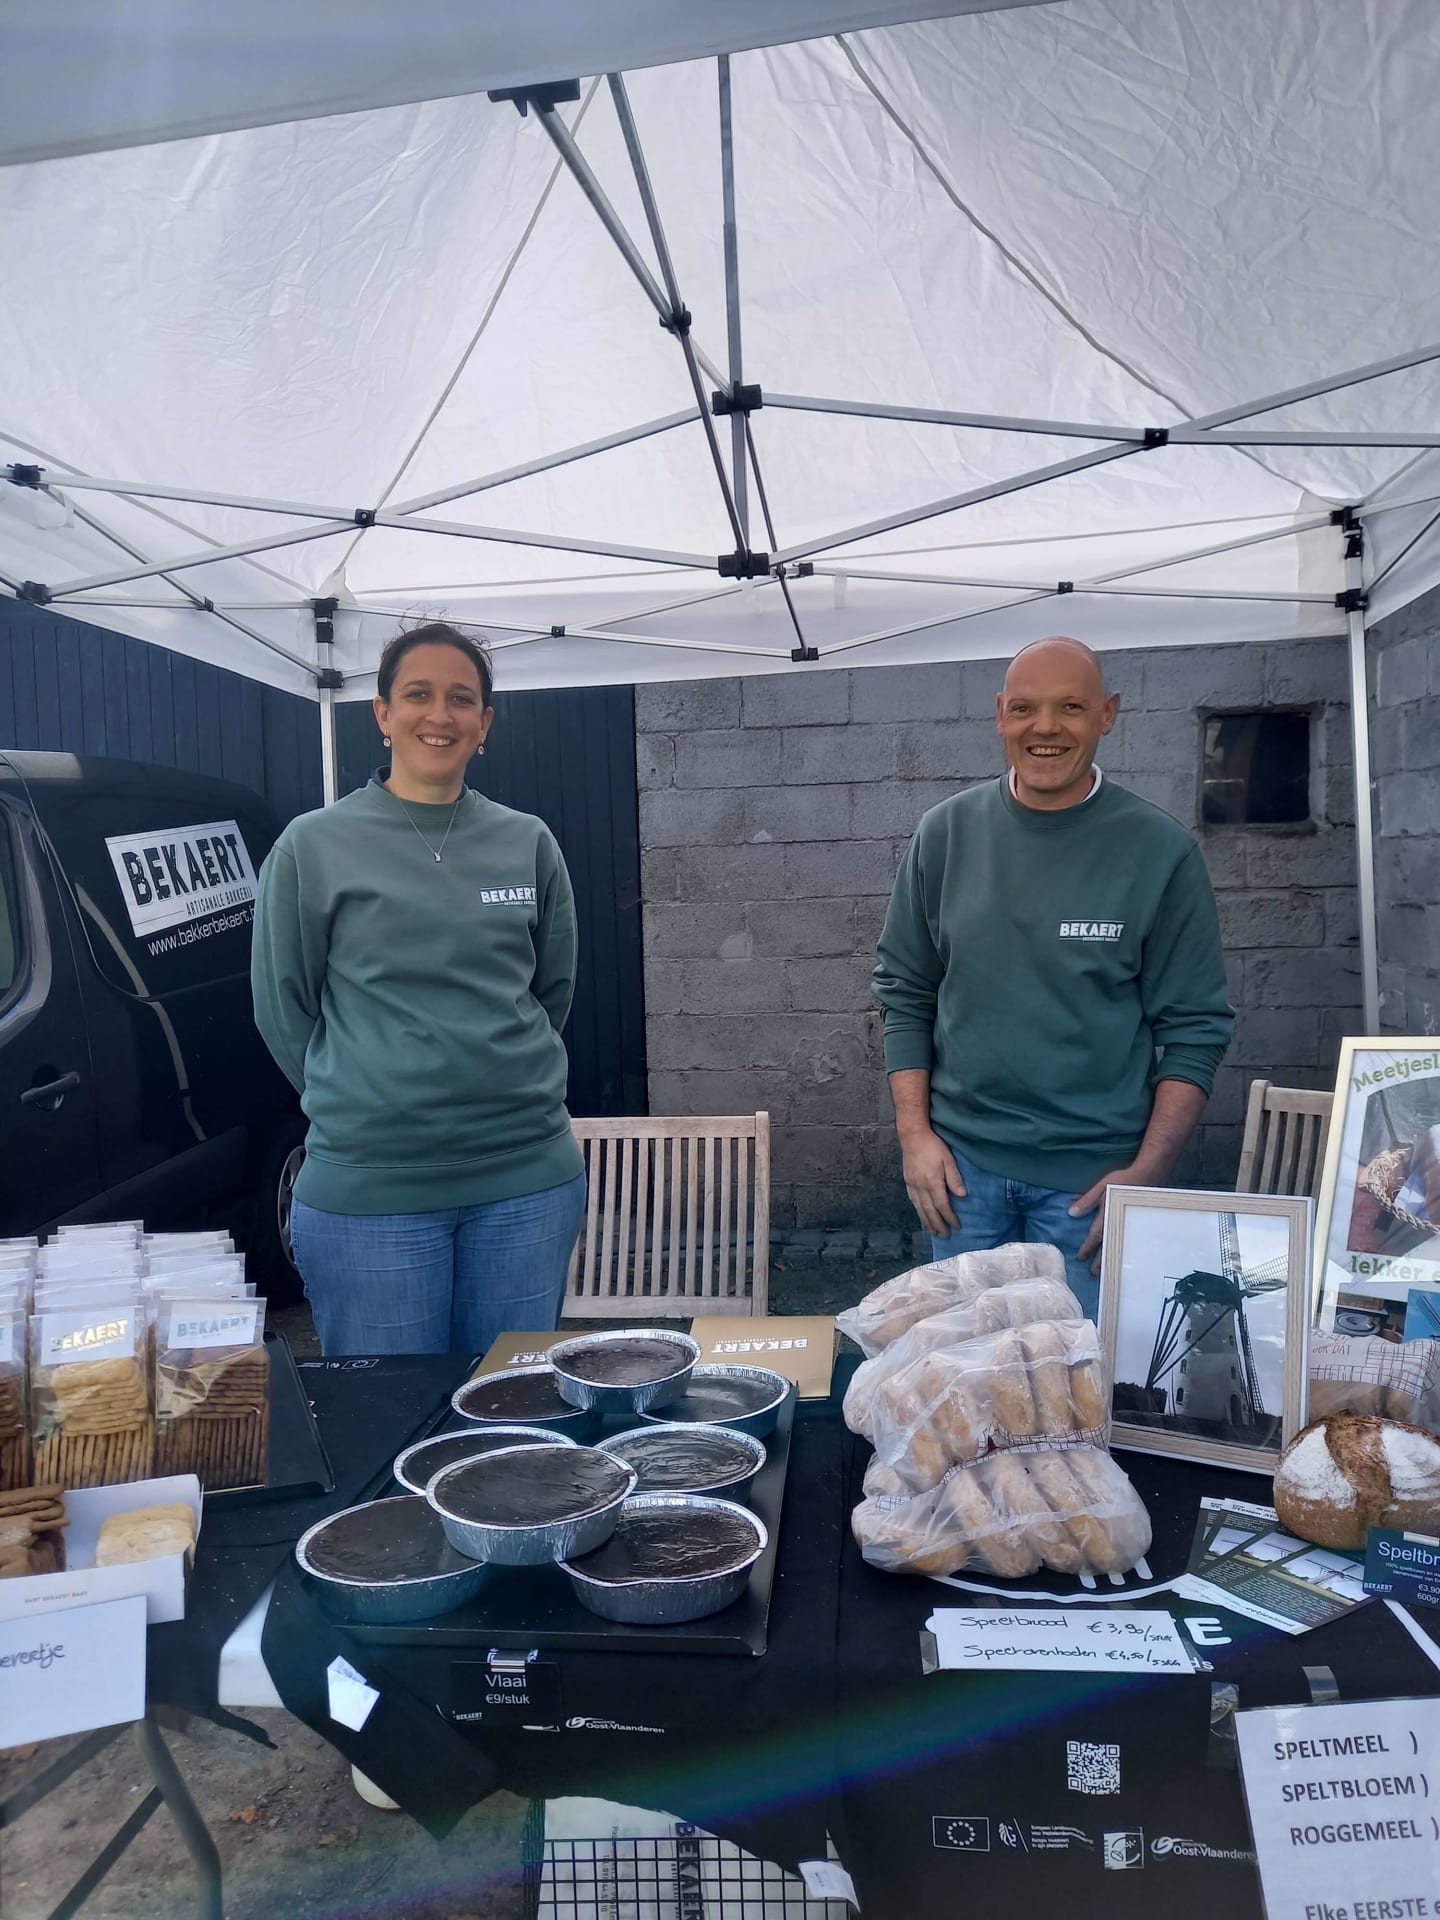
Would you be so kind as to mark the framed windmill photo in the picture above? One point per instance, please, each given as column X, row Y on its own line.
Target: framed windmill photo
column 1204, row 1319
column 1377, row 1247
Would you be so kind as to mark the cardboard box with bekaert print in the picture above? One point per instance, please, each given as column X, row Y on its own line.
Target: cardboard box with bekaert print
column 161, row 1581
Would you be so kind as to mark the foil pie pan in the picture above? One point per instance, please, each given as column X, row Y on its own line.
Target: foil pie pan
column 619, row 1398
column 386, row 1602
column 760, row 1419
column 670, row 1600
column 731, row 1486
column 445, row 1449
column 526, row 1543
column 576, row 1423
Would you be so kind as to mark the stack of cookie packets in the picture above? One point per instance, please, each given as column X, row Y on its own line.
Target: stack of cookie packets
column 984, row 1395
column 124, row 1354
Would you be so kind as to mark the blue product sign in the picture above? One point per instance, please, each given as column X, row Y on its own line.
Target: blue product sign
column 1403, row 1566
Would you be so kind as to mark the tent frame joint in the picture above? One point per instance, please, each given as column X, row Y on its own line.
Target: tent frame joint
column 33, row 591
column 678, row 321
column 804, row 653
column 22, row 475
column 1353, row 599
column 1156, row 437
column 544, row 97
column 744, row 564
column 739, row 398
column 1065, row 586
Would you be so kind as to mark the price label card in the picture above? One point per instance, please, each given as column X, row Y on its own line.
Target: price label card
column 1060, row 1640
column 509, row 1694
column 1343, row 1808
column 1403, row 1566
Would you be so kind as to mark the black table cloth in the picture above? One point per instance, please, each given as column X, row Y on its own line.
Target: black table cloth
column 945, row 1792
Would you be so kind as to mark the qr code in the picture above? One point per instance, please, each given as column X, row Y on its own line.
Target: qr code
column 1091, row 1767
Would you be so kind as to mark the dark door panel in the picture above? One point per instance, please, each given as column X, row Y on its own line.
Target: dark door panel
column 49, row 1157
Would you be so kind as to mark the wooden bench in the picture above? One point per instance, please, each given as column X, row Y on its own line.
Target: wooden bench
column 677, row 1221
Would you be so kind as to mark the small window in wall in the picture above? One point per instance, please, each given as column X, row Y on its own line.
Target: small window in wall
column 1257, row 769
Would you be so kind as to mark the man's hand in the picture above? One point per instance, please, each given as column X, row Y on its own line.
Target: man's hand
column 931, row 1177
column 1093, row 1201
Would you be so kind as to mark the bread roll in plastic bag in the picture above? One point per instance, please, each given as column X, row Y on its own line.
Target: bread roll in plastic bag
column 1037, row 1385
column 892, row 1309
column 1073, row 1511
column 989, row 1312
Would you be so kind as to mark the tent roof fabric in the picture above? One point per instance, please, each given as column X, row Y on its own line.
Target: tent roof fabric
column 1095, row 238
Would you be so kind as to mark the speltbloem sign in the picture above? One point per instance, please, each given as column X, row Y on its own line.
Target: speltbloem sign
column 182, row 873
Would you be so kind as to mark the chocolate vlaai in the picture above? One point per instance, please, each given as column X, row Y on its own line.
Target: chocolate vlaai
column 669, row 1546
column 683, row 1462
column 518, row 1398
column 627, row 1363
column 532, row 1486
column 389, row 1540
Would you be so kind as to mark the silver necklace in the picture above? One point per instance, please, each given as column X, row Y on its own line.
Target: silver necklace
column 435, row 852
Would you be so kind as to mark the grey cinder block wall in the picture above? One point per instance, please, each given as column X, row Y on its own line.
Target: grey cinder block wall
column 774, row 812
column 1404, row 663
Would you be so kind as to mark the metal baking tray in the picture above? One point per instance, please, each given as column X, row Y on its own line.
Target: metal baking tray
column 524, row 1607
column 298, row 1463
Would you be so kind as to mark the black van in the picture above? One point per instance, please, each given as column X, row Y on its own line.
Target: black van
column 133, row 1083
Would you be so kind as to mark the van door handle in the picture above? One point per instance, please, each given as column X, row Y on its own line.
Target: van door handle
column 51, row 1092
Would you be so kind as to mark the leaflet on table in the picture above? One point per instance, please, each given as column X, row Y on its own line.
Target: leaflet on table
column 1056, row 1640
column 1342, row 1803
column 1243, row 1559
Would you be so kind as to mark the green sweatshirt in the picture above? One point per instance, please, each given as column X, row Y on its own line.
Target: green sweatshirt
column 1033, row 962
column 417, row 1004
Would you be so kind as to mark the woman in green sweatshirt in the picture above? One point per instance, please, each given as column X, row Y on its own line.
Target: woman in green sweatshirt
column 414, row 960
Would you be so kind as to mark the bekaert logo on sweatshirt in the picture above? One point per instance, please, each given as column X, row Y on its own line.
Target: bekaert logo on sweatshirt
column 507, row 896
column 1091, row 929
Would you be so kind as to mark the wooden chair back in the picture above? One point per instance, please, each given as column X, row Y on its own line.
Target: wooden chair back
column 1284, row 1146
column 677, row 1221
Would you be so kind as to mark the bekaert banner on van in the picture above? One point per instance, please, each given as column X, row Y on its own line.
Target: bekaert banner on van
column 182, row 873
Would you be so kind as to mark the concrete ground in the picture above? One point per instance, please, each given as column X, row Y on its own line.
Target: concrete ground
column 294, row 1837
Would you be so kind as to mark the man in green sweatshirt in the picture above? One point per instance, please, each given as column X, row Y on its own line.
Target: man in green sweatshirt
column 1047, row 935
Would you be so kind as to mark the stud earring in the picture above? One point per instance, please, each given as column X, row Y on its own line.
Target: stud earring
column 480, row 749
column 386, row 738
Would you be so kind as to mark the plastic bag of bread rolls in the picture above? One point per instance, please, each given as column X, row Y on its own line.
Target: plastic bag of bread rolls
column 892, row 1309
column 989, row 1312
column 1073, row 1511
column 1031, row 1386
column 1383, row 1378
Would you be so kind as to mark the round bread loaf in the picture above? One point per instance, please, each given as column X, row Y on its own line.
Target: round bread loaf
column 1350, row 1472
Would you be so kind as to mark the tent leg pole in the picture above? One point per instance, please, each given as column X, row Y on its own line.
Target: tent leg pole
column 1364, row 811
column 329, row 775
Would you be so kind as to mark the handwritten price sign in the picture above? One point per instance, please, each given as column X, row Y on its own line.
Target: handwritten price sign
column 1068, row 1640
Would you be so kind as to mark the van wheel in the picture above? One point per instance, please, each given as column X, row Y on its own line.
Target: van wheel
column 269, row 1260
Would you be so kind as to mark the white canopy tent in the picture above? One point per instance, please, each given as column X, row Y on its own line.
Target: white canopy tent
column 848, row 352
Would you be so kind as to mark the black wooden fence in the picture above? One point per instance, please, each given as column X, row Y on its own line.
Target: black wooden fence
column 568, row 756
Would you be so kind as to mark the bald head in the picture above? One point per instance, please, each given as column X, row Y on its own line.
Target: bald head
column 1052, row 714
column 1056, row 652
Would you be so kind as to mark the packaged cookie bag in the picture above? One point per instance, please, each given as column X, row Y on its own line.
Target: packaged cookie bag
column 212, row 1390
column 91, row 1414
column 14, row 1401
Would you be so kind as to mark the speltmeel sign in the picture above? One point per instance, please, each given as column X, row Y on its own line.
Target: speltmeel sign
column 1403, row 1566
column 513, row 1693
column 71, row 1671
column 182, row 873
column 1343, row 1804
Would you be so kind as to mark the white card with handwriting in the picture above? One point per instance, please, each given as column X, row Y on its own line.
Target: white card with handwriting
column 1060, row 1639
column 71, row 1671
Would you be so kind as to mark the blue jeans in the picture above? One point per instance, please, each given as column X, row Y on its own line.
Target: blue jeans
column 996, row 1210
column 445, row 1282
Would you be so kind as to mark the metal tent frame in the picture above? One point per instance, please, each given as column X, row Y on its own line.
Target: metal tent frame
column 723, row 396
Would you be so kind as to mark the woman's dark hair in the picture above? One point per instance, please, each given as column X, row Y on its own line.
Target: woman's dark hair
column 435, row 633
